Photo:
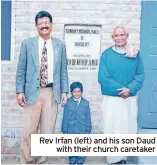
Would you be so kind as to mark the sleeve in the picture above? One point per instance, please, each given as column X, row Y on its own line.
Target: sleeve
column 65, row 120
column 21, row 69
column 105, row 79
column 88, row 119
column 138, row 80
column 64, row 74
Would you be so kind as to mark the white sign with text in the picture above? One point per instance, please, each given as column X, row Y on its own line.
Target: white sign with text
column 82, row 47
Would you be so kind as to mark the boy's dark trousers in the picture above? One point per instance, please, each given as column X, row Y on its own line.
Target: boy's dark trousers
column 76, row 159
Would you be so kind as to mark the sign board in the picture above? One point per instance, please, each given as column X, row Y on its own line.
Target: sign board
column 82, row 47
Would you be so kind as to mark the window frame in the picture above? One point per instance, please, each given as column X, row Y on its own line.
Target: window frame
column 12, row 35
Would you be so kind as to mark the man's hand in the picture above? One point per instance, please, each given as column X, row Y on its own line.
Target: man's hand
column 124, row 92
column 64, row 99
column 21, row 99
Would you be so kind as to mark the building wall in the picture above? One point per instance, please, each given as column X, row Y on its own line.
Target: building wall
column 108, row 13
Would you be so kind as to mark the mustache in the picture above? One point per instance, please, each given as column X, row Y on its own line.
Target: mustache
column 44, row 28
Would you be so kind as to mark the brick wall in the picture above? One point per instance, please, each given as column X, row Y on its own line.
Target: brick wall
column 108, row 13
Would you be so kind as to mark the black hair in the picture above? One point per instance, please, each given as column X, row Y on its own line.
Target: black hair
column 76, row 85
column 42, row 14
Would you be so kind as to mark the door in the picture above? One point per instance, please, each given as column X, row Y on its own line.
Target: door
column 148, row 49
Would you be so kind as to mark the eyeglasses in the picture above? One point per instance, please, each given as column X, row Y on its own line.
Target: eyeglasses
column 43, row 23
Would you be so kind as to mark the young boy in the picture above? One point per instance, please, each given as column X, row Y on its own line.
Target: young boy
column 76, row 117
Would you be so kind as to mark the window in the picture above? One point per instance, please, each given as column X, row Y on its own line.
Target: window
column 5, row 30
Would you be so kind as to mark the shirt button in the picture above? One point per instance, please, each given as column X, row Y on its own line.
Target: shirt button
column 37, row 78
column 37, row 87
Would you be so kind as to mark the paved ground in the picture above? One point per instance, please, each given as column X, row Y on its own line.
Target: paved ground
column 63, row 160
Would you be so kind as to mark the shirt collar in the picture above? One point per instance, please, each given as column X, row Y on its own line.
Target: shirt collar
column 77, row 99
column 118, row 49
column 41, row 40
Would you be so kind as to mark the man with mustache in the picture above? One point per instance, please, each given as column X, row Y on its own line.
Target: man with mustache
column 41, row 84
